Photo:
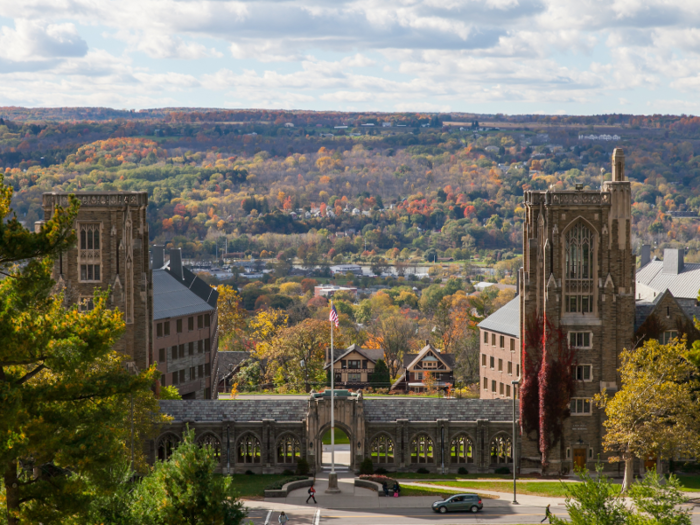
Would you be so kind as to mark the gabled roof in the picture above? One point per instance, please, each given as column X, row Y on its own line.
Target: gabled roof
column 643, row 309
column 171, row 298
column 229, row 361
column 410, row 360
column 371, row 354
column 505, row 320
column 683, row 285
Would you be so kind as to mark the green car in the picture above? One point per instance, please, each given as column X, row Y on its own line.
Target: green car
column 470, row 502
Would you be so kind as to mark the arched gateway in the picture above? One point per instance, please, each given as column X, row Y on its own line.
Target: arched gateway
column 400, row 434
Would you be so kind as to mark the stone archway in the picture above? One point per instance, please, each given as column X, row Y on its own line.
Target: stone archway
column 342, row 459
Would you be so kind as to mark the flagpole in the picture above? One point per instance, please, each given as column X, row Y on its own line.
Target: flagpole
column 332, row 401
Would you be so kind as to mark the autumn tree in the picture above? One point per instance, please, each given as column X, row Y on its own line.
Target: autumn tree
column 394, row 334
column 655, row 412
column 231, row 318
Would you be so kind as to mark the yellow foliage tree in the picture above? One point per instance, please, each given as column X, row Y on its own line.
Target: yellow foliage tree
column 232, row 318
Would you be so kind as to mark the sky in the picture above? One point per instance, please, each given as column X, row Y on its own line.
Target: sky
column 485, row 56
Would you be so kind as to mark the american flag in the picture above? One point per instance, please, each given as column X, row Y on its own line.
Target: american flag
column 333, row 317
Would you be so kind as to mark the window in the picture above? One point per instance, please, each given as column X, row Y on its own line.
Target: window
column 207, row 369
column 381, row 450
column 161, row 355
column 175, row 376
column 209, row 440
column 354, row 378
column 89, row 236
column 207, row 344
column 501, row 450
column 483, row 359
column 86, row 304
column 200, row 321
column 364, row 364
column 178, row 325
column 501, row 389
column 200, row 371
column 90, row 272
column 182, row 376
column 429, row 363
column 668, row 336
column 166, row 446
column 507, row 390
column 173, row 352
column 517, row 370
column 493, row 386
column 580, row 406
column 190, row 323
column 166, row 328
column 580, row 339
column 462, row 450
column 200, row 346
column 510, row 368
column 486, row 384
column 193, row 373
column 418, row 376
column 181, row 352
column 579, row 269
column 159, row 330
column 500, row 365
column 512, row 344
column 206, row 321
column 422, row 449
column 248, row 449
column 668, row 311
column 486, row 338
column 191, row 348
column 583, row 373
column 493, row 339
column 353, row 363
column 502, row 342
column 288, row 450
column 492, row 361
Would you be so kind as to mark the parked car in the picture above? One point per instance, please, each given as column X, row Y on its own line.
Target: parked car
column 469, row 502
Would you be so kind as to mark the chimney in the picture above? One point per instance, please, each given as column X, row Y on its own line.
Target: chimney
column 618, row 165
column 158, row 256
column 646, row 255
column 176, row 263
column 673, row 261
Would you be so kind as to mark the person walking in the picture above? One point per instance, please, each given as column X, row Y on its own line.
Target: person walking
column 386, row 489
column 547, row 515
column 283, row 519
column 312, row 494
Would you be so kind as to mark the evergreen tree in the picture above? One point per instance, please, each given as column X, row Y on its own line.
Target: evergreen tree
column 380, row 376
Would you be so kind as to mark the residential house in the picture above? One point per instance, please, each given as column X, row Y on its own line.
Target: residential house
column 429, row 364
column 354, row 366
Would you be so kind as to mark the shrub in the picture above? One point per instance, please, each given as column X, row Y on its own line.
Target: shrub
column 302, row 467
column 423, row 470
column 277, row 485
column 462, row 471
column 381, row 470
column 366, row 467
column 287, row 472
column 249, row 473
column 379, row 479
column 502, row 470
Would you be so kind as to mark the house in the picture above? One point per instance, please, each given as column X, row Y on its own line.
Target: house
column 329, row 290
column 429, row 364
column 229, row 365
column 288, row 125
column 354, row 367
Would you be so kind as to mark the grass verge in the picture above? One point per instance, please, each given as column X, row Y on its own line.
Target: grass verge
column 690, row 483
column 453, row 477
column 253, row 487
column 529, row 488
column 407, row 491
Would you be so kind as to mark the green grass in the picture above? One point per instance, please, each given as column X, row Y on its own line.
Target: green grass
column 529, row 488
column 427, row 491
column 340, row 437
column 253, row 487
column 454, row 477
column 690, row 483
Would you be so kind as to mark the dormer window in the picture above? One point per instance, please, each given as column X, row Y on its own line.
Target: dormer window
column 429, row 361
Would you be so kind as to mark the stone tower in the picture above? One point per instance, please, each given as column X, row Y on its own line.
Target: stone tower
column 579, row 275
column 111, row 252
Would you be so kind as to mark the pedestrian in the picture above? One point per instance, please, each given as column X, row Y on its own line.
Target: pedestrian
column 547, row 515
column 397, row 489
column 312, row 494
column 386, row 489
column 282, row 518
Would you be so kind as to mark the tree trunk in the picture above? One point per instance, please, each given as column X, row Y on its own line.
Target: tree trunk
column 12, row 493
column 629, row 472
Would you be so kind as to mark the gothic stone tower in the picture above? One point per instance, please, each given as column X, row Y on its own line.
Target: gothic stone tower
column 112, row 251
column 579, row 274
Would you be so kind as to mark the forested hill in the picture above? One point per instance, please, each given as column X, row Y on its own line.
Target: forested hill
column 400, row 185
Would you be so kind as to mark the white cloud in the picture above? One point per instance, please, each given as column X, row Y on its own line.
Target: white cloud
column 31, row 41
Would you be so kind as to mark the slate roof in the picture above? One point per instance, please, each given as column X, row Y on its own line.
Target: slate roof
column 505, row 320
column 243, row 410
column 683, row 285
column 371, row 354
column 172, row 298
column 230, row 360
column 434, row 409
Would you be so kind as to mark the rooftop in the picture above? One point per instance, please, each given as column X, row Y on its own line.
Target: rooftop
column 505, row 320
column 172, row 298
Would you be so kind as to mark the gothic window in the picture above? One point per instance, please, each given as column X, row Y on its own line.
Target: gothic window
column 166, row 446
column 501, row 450
column 288, row 450
column 579, row 269
column 248, row 449
column 210, row 440
column 462, row 450
column 422, row 450
column 89, row 253
column 382, row 449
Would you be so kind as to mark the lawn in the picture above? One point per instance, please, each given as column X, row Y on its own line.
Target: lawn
column 690, row 483
column 253, row 487
column 340, row 437
column 453, row 477
column 427, row 491
column 529, row 488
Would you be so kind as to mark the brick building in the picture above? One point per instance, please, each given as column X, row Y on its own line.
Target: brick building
column 112, row 251
column 499, row 336
column 185, row 336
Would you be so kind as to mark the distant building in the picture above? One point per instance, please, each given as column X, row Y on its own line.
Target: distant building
column 428, row 363
column 499, row 334
column 354, row 366
column 343, row 269
column 329, row 290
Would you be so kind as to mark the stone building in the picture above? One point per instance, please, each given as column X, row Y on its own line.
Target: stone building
column 185, row 328
column 270, row 436
column 112, row 252
column 499, row 336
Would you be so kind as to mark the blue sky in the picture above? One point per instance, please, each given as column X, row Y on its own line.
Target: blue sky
column 484, row 56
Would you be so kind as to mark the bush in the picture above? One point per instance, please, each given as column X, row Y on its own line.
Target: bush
column 366, row 467
column 287, row 472
column 379, row 479
column 381, row 470
column 502, row 470
column 423, row 470
column 462, row 471
column 277, row 485
column 302, row 467
column 249, row 473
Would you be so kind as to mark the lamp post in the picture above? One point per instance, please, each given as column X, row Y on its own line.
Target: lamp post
column 513, row 447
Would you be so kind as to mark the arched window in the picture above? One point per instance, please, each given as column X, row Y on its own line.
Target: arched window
column 422, row 449
column 248, row 449
column 501, row 450
column 288, row 450
column 166, row 446
column 210, row 440
column 579, row 269
column 382, row 449
column 462, row 450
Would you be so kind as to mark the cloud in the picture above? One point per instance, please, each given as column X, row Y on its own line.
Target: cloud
column 34, row 41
